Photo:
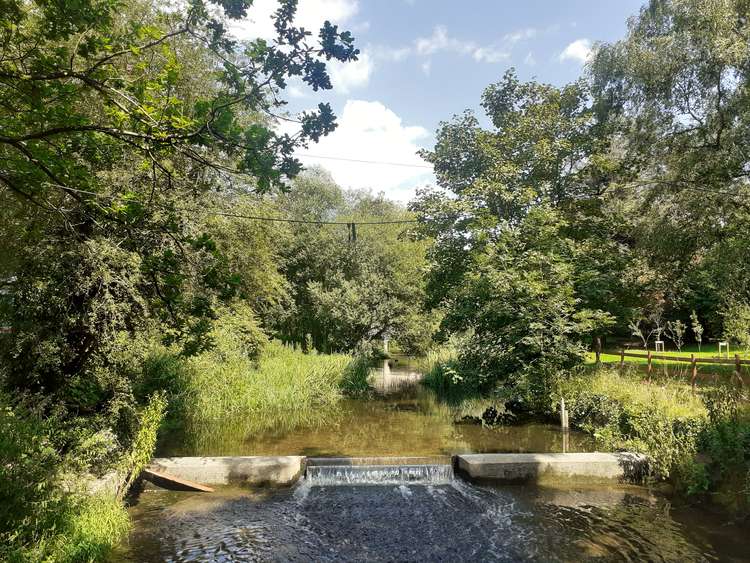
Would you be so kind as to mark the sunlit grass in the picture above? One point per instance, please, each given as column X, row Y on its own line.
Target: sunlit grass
column 672, row 397
column 226, row 397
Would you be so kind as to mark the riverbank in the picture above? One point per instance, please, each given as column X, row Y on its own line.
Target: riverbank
column 698, row 441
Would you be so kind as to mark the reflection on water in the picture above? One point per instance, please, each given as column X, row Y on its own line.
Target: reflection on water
column 403, row 418
column 454, row 522
column 394, row 376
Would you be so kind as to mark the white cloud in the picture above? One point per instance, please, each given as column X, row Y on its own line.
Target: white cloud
column 295, row 91
column 390, row 54
column 345, row 77
column 310, row 14
column 370, row 131
column 441, row 41
column 427, row 67
column 579, row 50
column 520, row 35
column 490, row 55
column 529, row 59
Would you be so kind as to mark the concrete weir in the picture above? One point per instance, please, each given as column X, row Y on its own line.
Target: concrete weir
column 514, row 468
column 510, row 468
column 244, row 470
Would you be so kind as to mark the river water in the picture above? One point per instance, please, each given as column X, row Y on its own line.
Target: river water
column 403, row 513
column 441, row 522
column 403, row 418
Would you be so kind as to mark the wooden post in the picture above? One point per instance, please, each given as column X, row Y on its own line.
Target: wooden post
column 694, row 375
column 738, row 369
column 650, row 367
column 622, row 359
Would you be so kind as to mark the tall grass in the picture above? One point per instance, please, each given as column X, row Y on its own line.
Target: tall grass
column 283, row 380
column 221, row 397
column 41, row 518
column 444, row 375
column 622, row 411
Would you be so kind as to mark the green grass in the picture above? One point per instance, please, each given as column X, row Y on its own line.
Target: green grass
column 662, row 420
column 673, row 398
column 222, row 396
column 680, row 369
column 284, row 380
column 710, row 350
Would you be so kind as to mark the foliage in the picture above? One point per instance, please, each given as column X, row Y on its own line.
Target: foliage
column 356, row 378
column 120, row 122
column 143, row 445
column 673, row 96
column 726, row 444
column 351, row 292
column 508, row 263
column 41, row 518
column 697, row 329
column 676, row 333
column 444, row 374
column 622, row 412
column 737, row 324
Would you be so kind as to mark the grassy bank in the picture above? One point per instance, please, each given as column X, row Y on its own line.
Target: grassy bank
column 46, row 513
column 699, row 441
column 224, row 395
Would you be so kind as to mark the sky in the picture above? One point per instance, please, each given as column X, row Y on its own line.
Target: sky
column 423, row 61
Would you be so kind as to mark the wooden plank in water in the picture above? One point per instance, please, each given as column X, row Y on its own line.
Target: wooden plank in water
column 169, row 481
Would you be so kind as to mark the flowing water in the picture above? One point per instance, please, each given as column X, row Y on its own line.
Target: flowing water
column 413, row 508
column 440, row 521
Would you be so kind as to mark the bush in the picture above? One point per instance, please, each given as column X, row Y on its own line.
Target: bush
column 623, row 413
column 446, row 376
column 725, row 443
column 40, row 518
column 355, row 381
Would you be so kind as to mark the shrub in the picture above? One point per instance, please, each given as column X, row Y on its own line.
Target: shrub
column 446, row 376
column 40, row 518
column 355, row 380
column 622, row 412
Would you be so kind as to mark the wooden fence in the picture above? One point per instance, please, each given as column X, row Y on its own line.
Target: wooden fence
column 737, row 362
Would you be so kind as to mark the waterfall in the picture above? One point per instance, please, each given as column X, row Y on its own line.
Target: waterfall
column 326, row 475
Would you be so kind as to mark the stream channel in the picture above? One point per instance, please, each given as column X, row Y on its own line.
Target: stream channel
column 382, row 516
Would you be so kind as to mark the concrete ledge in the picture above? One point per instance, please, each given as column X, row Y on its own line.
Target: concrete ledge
column 251, row 470
column 519, row 468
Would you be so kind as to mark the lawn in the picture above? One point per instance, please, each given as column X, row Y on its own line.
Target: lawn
column 676, row 368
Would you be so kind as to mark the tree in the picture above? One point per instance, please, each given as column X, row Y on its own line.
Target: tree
column 506, row 253
column 676, row 332
column 350, row 291
column 118, row 124
column 673, row 96
column 697, row 329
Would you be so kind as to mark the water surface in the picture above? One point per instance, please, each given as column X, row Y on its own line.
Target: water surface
column 448, row 522
column 403, row 418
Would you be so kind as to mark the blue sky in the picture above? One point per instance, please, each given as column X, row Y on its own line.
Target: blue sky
column 423, row 61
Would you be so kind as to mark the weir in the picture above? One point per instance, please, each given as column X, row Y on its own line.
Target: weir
column 378, row 471
column 500, row 468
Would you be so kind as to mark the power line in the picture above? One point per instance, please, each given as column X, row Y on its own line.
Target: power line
column 310, row 222
column 363, row 161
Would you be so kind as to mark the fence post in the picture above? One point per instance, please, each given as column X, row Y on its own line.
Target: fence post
column 694, row 375
column 650, row 367
column 738, row 369
column 622, row 359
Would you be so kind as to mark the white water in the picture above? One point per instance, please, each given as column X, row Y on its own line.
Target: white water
column 327, row 475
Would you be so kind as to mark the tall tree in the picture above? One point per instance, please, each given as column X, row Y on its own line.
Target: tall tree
column 118, row 121
column 674, row 95
column 508, row 243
